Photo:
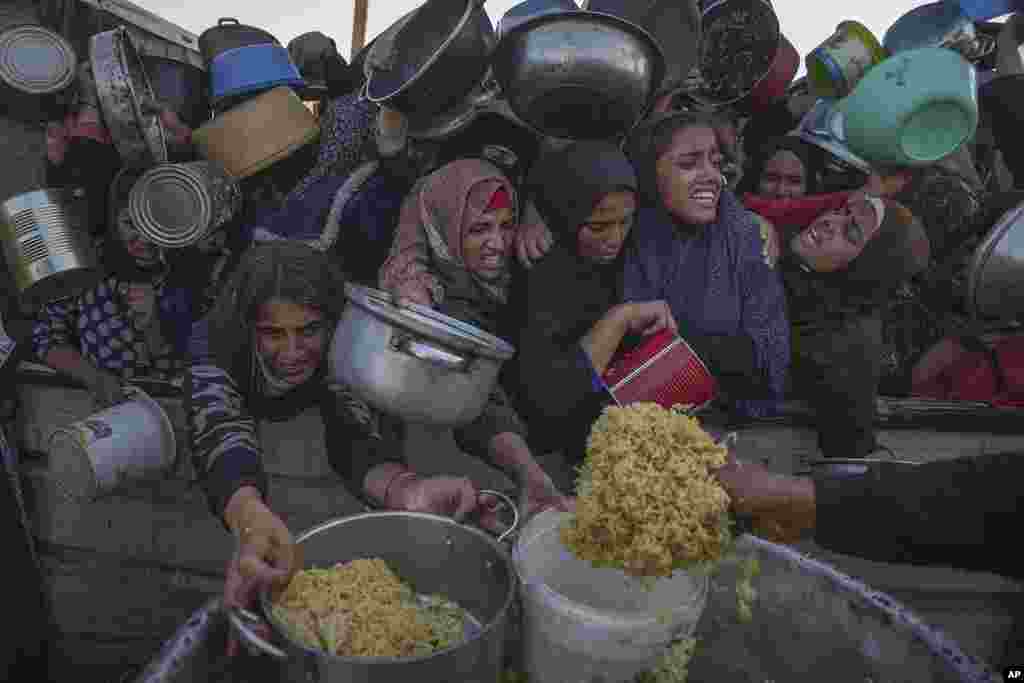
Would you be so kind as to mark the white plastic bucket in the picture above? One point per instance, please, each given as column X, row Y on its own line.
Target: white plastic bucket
column 130, row 441
column 583, row 624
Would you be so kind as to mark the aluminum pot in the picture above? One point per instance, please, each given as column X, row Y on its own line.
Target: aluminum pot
column 36, row 68
column 435, row 555
column 579, row 75
column 995, row 280
column 414, row 362
column 127, row 100
column 438, row 55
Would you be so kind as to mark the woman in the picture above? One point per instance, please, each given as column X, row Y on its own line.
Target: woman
column 260, row 355
column 133, row 323
column 464, row 214
column 839, row 273
column 697, row 248
column 567, row 320
column 783, row 168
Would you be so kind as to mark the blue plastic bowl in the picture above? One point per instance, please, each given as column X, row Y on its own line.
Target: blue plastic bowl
column 251, row 69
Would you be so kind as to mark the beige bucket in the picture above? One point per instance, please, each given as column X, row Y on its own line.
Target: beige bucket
column 131, row 441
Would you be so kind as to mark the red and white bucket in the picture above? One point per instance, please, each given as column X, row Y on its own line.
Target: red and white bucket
column 131, row 441
column 664, row 369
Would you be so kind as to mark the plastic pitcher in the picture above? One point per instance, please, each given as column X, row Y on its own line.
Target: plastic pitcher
column 912, row 109
column 583, row 624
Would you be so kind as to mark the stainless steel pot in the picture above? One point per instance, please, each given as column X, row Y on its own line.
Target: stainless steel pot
column 995, row 280
column 129, row 106
column 579, row 75
column 435, row 555
column 414, row 362
column 437, row 55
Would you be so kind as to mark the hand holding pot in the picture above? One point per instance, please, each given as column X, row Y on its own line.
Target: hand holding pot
column 533, row 238
column 648, row 317
column 454, row 497
column 781, row 507
column 265, row 555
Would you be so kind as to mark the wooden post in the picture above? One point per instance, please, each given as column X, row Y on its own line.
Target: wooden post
column 358, row 27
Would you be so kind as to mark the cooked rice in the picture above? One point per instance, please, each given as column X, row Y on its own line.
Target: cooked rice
column 362, row 609
column 648, row 502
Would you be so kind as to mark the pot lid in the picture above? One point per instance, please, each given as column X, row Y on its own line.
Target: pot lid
column 430, row 323
column 995, row 281
column 35, row 60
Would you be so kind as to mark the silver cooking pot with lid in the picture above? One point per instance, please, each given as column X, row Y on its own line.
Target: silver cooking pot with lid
column 995, row 280
column 412, row 361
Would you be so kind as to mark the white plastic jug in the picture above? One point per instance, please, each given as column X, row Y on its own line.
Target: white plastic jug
column 582, row 624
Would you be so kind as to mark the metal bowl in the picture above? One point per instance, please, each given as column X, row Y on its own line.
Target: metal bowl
column 579, row 75
column 995, row 282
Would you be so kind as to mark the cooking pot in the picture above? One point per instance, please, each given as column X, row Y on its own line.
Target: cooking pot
column 579, row 75
column 127, row 100
column 257, row 133
column 836, row 66
column 36, row 68
column 995, row 280
column 739, row 41
column 824, row 128
column 434, row 57
column 674, row 24
column 938, row 24
column 230, row 34
column 180, row 86
column 435, row 555
column 843, row 468
column 773, row 86
column 529, row 9
column 414, row 362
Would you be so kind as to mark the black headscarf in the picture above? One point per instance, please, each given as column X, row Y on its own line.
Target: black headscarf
column 646, row 145
column 567, row 184
column 756, row 162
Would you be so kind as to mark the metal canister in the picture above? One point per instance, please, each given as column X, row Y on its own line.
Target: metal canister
column 36, row 68
column 46, row 244
column 177, row 205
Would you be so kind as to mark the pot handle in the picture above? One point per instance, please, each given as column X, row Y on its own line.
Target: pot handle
column 241, row 619
column 223, row 21
column 432, row 354
column 511, row 505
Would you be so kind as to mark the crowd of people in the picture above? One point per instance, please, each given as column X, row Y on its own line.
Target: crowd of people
column 788, row 272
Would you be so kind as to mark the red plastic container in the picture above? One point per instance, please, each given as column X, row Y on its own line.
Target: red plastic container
column 664, row 369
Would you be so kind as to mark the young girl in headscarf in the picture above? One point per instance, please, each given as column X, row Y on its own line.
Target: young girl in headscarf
column 452, row 252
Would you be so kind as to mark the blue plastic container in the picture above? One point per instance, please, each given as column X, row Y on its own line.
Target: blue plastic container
column 252, row 69
column 983, row 10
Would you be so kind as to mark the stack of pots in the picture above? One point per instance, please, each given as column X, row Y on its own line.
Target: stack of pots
column 243, row 61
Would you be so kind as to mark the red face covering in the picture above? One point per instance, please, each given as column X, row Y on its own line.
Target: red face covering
column 499, row 200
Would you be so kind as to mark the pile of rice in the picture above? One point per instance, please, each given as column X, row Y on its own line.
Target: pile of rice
column 362, row 609
column 648, row 503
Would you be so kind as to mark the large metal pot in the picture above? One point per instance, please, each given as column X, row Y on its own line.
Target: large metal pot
column 995, row 280
column 414, row 362
column 739, row 41
column 435, row 555
column 438, row 55
column 230, row 34
column 579, row 75
column 127, row 100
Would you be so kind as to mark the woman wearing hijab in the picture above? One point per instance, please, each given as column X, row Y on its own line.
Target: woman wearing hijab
column 567, row 319
column 261, row 355
column 133, row 323
column 696, row 247
column 452, row 252
column 782, row 168
column 839, row 273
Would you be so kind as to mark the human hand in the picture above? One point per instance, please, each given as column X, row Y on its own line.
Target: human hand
column 540, row 493
column 533, row 238
column 648, row 317
column 265, row 557
column 781, row 507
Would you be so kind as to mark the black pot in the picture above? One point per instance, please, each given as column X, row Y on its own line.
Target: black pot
column 229, row 34
column 180, row 86
column 440, row 53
